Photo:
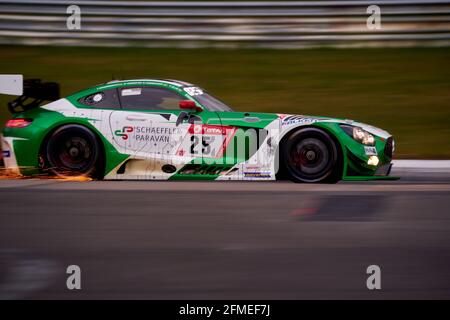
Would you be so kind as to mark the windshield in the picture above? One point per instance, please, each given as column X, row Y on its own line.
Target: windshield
column 208, row 101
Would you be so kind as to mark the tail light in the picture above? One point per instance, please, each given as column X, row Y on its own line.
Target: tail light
column 18, row 123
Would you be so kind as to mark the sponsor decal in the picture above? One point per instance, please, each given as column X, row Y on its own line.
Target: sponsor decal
column 257, row 174
column 124, row 132
column 6, row 153
column 193, row 91
column 155, row 134
column 209, row 129
column 370, row 151
column 289, row 120
column 207, row 170
column 131, row 92
column 256, row 171
column 147, row 134
column 98, row 97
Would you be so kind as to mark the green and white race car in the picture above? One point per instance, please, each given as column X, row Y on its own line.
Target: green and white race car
column 157, row 129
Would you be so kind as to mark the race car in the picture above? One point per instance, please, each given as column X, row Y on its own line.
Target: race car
column 161, row 129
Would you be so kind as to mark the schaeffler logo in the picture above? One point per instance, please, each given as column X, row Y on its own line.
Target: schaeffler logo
column 124, row 132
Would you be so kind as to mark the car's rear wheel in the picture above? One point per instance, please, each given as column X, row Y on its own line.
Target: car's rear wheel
column 73, row 150
column 311, row 155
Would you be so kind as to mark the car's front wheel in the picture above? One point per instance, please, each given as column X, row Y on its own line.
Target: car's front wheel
column 73, row 150
column 311, row 155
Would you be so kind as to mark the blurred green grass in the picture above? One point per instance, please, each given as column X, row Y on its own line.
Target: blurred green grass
column 404, row 90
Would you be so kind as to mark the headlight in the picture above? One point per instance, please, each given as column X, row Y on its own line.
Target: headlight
column 359, row 134
column 373, row 161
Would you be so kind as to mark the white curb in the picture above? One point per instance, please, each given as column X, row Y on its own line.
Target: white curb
column 423, row 165
column 432, row 164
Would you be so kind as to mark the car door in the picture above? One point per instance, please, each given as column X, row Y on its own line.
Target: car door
column 151, row 127
column 253, row 145
column 146, row 125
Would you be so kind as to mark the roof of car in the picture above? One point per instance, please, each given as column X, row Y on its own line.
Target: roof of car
column 170, row 81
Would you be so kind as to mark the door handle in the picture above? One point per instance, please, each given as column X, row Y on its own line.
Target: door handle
column 135, row 118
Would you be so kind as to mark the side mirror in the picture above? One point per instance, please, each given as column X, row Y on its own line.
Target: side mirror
column 189, row 105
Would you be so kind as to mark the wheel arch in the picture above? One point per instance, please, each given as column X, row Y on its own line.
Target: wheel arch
column 98, row 136
column 285, row 135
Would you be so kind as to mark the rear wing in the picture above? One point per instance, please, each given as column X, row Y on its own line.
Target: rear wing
column 32, row 92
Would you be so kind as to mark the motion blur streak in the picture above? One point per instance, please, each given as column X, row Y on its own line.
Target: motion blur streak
column 273, row 24
column 181, row 240
column 6, row 174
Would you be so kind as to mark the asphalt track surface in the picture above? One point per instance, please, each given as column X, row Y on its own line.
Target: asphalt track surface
column 226, row 240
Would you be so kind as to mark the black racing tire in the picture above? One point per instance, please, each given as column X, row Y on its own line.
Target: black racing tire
column 310, row 155
column 73, row 150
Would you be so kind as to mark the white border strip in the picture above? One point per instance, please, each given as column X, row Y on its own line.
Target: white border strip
column 421, row 164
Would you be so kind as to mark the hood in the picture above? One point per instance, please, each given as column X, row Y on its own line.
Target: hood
column 291, row 119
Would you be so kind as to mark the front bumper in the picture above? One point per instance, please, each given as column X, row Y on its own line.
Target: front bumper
column 357, row 167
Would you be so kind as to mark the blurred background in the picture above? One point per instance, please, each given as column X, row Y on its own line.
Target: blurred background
column 304, row 57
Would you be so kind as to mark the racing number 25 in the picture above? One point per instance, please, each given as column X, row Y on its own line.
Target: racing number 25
column 206, row 144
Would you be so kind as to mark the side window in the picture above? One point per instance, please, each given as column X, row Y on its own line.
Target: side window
column 107, row 99
column 149, row 98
